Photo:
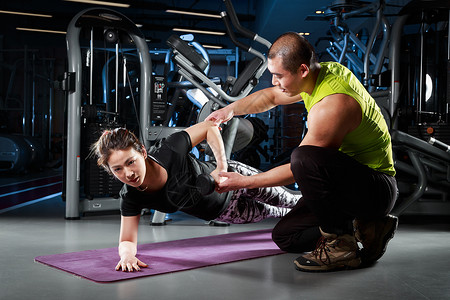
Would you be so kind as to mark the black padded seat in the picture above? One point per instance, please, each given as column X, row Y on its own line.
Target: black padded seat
column 193, row 56
column 245, row 76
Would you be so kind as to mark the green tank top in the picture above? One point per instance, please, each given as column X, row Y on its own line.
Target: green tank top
column 370, row 143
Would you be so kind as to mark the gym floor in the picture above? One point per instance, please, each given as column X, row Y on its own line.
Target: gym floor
column 415, row 266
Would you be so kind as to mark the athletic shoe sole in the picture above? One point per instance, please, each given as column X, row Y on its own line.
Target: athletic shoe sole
column 354, row 264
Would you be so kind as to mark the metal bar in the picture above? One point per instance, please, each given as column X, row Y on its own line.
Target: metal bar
column 207, row 93
column 50, row 109
column 91, row 66
column 334, row 56
column 421, row 72
column 394, row 64
column 117, row 78
column 360, row 45
column 72, row 185
column 33, row 93
column 351, row 57
column 236, row 63
column 25, row 92
column 420, row 187
column 370, row 44
column 383, row 46
column 145, row 79
column 344, row 48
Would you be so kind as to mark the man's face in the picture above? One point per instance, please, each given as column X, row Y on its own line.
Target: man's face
column 290, row 84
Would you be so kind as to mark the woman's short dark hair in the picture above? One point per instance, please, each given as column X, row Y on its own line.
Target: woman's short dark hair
column 294, row 50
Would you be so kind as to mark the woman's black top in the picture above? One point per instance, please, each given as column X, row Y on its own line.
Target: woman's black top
column 179, row 192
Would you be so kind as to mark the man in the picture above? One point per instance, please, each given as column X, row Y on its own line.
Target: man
column 343, row 166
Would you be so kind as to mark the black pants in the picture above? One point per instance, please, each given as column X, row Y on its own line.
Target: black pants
column 336, row 189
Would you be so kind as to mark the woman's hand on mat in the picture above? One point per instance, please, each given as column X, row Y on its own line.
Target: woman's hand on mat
column 130, row 264
column 231, row 181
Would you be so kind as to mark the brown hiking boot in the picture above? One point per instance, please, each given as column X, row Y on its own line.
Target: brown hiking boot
column 332, row 252
column 374, row 236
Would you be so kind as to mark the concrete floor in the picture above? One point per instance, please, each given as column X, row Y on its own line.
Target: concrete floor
column 416, row 265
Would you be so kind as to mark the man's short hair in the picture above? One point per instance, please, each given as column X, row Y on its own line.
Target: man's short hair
column 294, row 50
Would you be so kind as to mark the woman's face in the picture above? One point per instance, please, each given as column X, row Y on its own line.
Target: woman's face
column 128, row 166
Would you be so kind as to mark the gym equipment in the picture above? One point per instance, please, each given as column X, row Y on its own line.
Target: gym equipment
column 439, row 144
column 19, row 153
column 193, row 67
column 348, row 48
column 167, row 257
column 430, row 164
column 28, row 97
column 15, row 154
column 427, row 165
column 117, row 27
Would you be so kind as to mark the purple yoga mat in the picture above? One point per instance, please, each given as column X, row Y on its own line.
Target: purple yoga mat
column 166, row 257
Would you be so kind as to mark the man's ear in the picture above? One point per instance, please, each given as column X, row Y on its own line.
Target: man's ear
column 303, row 70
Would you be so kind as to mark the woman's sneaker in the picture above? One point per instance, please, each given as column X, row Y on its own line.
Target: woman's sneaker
column 374, row 236
column 333, row 252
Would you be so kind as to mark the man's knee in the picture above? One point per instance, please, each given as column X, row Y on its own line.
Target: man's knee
column 280, row 238
column 305, row 159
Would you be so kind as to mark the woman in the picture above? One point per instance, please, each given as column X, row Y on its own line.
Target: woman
column 164, row 179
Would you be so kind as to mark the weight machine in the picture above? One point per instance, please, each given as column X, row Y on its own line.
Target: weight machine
column 114, row 27
column 193, row 68
column 420, row 139
column 351, row 49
